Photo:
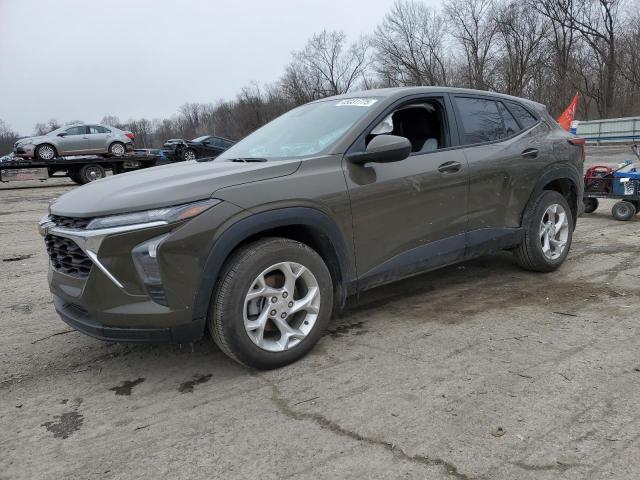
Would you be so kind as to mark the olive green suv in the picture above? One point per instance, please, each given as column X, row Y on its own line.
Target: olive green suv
column 258, row 247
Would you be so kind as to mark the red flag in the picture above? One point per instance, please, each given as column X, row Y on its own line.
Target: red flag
column 569, row 114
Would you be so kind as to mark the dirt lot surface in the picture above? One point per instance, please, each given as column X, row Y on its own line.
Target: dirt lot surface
column 480, row 370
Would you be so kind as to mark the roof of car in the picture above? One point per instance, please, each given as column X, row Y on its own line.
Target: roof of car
column 399, row 92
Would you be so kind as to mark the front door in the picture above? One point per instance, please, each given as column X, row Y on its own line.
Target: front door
column 75, row 141
column 409, row 216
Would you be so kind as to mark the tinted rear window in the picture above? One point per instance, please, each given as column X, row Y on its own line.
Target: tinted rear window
column 510, row 124
column 522, row 115
column 481, row 120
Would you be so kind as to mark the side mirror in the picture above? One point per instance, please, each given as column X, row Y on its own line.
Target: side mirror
column 383, row 149
column 62, row 134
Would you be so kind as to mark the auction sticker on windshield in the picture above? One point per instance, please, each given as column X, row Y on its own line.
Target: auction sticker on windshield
column 356, row 102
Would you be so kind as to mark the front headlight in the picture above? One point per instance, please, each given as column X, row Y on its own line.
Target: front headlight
column 166, row 215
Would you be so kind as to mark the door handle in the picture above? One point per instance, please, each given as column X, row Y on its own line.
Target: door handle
column 450, row 167
column 530, row 153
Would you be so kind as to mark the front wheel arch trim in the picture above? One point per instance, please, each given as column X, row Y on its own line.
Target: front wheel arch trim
column 255, row 224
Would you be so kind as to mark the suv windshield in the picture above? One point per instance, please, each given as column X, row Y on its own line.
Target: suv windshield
column 306, row 130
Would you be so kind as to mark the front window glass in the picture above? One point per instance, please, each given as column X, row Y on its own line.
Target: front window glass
column 303, row 131
column 200, row 139
column 81, row 130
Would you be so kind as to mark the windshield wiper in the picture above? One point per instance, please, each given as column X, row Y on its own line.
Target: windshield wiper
column 248, row 159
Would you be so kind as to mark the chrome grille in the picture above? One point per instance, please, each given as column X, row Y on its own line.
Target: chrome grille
column 67, row 257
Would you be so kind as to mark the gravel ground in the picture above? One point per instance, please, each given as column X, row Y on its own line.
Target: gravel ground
column 480, row 370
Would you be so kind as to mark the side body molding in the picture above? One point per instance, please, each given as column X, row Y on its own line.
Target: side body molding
column 260, row 222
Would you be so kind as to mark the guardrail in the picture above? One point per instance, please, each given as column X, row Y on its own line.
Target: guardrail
column 611, row 130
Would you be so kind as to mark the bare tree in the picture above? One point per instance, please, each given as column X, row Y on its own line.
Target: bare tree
column 410, row 46
column 598, row 22
column 475, row 28
column 327, row 65
column 7, row 138
column 520, row 34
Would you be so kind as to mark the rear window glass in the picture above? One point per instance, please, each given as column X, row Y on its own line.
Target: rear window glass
column 522, row 115
column 510, row 124
column 481, row 120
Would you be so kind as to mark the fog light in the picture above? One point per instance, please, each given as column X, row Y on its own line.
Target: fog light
column 146, row 262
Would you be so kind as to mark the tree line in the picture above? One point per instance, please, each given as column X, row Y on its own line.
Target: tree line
column 545, row 50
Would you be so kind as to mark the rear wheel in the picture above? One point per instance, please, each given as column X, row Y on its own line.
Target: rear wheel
column 75, row 176
column 89, row 173
column 46, row 152
column 117, row 148
column 623, row 210
column 272, row 302
column 590, row 205
column 548, row 224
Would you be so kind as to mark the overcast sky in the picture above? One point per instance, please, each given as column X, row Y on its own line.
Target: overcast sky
column 84, row 59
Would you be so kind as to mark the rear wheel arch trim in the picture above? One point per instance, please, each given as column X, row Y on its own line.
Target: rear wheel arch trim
column 559, row 172
column 255, row 224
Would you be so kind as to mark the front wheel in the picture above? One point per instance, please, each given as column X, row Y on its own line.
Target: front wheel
column 548, row 224
column 272, row 302
column 45, row 152
column 189, row 154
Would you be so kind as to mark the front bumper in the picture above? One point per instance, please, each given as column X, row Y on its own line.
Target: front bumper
column 24, row 151
column 81, row 320
column 110, row 300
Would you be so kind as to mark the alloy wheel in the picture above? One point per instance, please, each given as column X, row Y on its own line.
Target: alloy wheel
column 117, row 149
column 46, row 152
column 282, row 306
column 189, row 155
column 554, row 231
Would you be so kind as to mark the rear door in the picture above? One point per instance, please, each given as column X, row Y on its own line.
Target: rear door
column 410, row 215
column 75, row 141
column 505, row 157
column 98, row 138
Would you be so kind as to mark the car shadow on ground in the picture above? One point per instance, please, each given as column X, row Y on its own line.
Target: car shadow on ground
column 439, row 288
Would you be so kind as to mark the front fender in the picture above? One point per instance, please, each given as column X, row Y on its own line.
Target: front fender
column 235, row 234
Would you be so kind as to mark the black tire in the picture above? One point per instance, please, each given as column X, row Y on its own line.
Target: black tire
column 119, row 147
column 75, row 176
column 623, row 210
column 590, row 205
column 529, row 254
column 189, row 154
column 226, row 315
column 45, row 147
column 90, row 172
column 636, row 203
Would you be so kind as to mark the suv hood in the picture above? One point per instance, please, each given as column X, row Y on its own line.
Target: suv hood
column 164, row 186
